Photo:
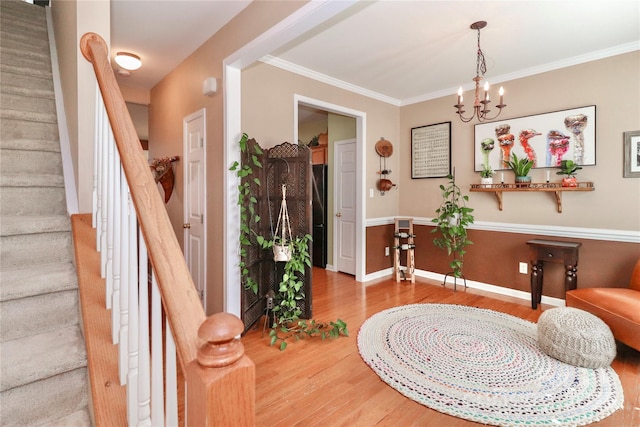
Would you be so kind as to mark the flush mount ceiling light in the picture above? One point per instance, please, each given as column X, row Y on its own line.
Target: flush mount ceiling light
column 128, row 61
column 480, row 107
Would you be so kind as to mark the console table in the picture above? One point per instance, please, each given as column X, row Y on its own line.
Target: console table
column 556, row 252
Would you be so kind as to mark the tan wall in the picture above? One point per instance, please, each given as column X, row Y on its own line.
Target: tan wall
column 71, row 20
column 267, row 116
column 611, row 84
column 180, row 94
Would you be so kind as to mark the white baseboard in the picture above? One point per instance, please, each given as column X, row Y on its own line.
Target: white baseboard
column 557, row 302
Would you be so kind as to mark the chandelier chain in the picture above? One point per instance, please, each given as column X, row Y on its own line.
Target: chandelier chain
column 481, row 64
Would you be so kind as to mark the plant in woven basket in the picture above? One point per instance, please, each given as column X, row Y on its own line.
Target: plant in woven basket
column 452, row 221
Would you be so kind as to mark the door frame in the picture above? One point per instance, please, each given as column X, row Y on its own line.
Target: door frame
column 199, row 113
column 361, row 201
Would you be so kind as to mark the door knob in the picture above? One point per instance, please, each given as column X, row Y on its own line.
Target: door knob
column 338, row 214
column 187, row 225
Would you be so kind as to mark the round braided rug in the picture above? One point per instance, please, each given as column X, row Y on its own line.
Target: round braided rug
column 483, row 366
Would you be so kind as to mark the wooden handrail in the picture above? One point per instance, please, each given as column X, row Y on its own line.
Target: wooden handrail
column 220, row 377
column 179, row 296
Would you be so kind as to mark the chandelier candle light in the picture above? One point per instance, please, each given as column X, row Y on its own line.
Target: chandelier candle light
column 480, row 107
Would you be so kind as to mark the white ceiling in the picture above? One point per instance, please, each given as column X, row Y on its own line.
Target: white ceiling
column 397, row 51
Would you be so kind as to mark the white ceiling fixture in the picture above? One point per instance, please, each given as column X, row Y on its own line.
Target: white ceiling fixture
column 128, row 61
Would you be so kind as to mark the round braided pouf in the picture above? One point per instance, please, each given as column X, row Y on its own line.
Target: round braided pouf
column 576, row 337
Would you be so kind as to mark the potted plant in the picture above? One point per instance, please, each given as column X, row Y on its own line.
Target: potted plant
column 520, row 168
column 486, row 175
column 453, row 218
column 569, row 168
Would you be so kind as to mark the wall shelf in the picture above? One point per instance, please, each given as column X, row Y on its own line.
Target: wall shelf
column 550, row 187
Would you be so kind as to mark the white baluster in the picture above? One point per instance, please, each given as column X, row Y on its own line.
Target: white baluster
column 116, row 258
column 132, row 377
column 171, row 379
column 123, row 350
column 109, row 200
column 157, row 383
column 103, row 197
column 96, row 148
column 144, row 368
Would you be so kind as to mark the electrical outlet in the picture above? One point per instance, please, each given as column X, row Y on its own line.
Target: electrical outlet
column 524, row 267
column 371, row 193
column 386, row 251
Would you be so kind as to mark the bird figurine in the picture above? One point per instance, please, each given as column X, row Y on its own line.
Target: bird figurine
column 557, row 146
column 524, row 138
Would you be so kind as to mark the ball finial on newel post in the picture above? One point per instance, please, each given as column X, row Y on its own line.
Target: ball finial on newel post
column 221, row 346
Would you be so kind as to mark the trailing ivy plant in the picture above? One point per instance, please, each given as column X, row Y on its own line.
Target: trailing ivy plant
column 248, row 215
column 452, row 221
column 287, row 323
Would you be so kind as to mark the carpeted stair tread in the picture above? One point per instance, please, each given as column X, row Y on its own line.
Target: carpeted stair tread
column 30, row 144
column 25, row 71
column 28, row 116
column 21, row 25
column 31, row 180
column 30, row 162
column 26, row 92
column 35, row 249
column 47, row 399
column 11, row 226
column 20, row 129
column 23, row 41
column 9, row 78
column 41, row 356
column 38, row 314
column 28, row 104
column 80, row 418
column 16, row 201
column 17, row 56
column 24, row 11
column 36, row 280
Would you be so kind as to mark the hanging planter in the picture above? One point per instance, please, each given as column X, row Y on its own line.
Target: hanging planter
column 282, row 246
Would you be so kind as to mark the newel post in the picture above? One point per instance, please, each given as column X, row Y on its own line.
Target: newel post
column 221, row 381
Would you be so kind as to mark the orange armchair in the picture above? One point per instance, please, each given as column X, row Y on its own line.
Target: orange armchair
column 619, row 308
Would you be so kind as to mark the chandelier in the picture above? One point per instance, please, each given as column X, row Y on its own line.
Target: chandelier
column 480, row 106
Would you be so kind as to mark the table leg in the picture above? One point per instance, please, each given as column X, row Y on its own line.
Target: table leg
column 536, row 283
column 571, row 277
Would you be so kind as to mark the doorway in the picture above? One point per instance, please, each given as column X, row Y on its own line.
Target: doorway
column 352, row 237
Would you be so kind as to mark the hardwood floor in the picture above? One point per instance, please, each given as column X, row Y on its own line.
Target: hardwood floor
column 326, row 383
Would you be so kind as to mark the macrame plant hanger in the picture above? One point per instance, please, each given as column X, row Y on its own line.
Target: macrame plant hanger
column 281, row 243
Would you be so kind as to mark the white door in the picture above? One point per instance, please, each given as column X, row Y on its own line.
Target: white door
column 195, row 243
column 345, row 205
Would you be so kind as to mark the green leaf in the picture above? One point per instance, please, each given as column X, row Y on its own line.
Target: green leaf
column 283, row 345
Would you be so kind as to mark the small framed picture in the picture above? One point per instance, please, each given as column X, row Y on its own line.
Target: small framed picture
column 632, row 154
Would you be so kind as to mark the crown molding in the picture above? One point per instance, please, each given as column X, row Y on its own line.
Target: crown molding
column 567, row 62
